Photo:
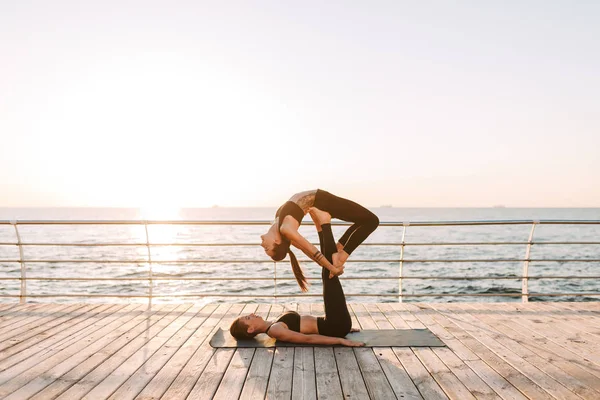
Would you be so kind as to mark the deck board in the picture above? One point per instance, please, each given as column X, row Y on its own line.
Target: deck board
column 136, row 351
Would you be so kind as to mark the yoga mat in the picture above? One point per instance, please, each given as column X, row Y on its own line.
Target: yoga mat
column 371, row 338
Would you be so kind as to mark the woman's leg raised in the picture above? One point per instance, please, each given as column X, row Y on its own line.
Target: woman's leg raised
column 337, row 321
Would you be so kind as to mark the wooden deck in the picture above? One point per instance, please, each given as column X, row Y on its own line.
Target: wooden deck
column 120, row 351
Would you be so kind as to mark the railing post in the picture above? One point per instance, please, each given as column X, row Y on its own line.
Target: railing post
column 275, row 280
column 150, row 281
column 23, row 294
column 525, row 284
column 400, row 272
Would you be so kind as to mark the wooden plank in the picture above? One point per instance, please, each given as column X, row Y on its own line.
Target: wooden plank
column 4, row 306
column 374, row 377
column 494, row 362
column 540, row 343
column 427, row 386
column 304, row 384
column 395, row 373
column 209, row 381
column 275, row 311
column 165, row 377
column 52, row 355
column 235, row 375
column 33, row 325
column 572, row 384
column 282, row 367
column 202, row 374
column 542, row 327
column 351, row 378
column 30, row 374
column 257, row 379
column 31, row 315
column 449, row 340
column 477, row 376
column 169, row 340
column 53, row 337
column 355, row 323
column 549, row 353
column 392, row 316
column 92, row 363
column 399, row 380
column 494, row 380
column 420, row 376
column 281, row 378
column 447, row 364
column 451, row 385
column 64, row 382
column 327, row 379
column 18, row 311
column 255, row 385
column 567, row 312
column 33, row 356
column 520, row 373
column 465, row 374
column 575, row 329
column 115, row 370
column 326, row 373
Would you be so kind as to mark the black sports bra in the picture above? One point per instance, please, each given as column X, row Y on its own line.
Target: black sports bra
column 291, row 319
column 289, row 208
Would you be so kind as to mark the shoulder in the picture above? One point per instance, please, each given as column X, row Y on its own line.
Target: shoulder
column 277, row 329
column 289, row 227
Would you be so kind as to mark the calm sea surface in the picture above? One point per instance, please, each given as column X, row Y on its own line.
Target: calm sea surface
column 387, row 266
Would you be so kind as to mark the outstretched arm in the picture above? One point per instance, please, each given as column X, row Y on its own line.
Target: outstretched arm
column 285, row 335
column 311, row 251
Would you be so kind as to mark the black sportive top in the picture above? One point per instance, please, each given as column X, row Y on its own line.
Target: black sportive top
column 289, row 208
column 291, row 319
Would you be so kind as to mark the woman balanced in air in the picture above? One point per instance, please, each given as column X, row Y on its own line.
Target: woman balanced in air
column 284, row 231
column 295, row 328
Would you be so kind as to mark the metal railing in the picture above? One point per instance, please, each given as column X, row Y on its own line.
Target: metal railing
column 148, row 260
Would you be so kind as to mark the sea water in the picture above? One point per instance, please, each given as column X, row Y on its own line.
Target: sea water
column 220, row 261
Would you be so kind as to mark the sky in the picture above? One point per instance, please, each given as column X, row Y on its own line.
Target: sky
column 244, row 103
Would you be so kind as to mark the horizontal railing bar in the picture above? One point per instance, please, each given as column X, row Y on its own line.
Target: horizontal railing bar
column 257, row 244
column 193, row 261
column 269, row 222
column 308, row 295
column 165, row 278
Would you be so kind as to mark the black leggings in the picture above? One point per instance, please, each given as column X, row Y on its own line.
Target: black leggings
column 337, row 320
column 365, row 222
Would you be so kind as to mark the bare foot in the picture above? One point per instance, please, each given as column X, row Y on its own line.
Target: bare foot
column 322, row 217
column 339, row 258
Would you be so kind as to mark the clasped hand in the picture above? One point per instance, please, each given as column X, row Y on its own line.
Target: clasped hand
column 337, row 269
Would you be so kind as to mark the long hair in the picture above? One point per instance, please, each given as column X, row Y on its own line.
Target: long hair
column 280, row 252
column 239, row 330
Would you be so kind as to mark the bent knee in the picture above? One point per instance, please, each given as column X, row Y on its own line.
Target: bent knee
column 343, row 328
column 373, row 222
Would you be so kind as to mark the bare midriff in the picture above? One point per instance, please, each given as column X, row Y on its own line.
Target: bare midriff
column 308, row 324
column 305, row 200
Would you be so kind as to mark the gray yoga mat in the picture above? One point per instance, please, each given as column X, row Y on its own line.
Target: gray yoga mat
column 371, row 338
